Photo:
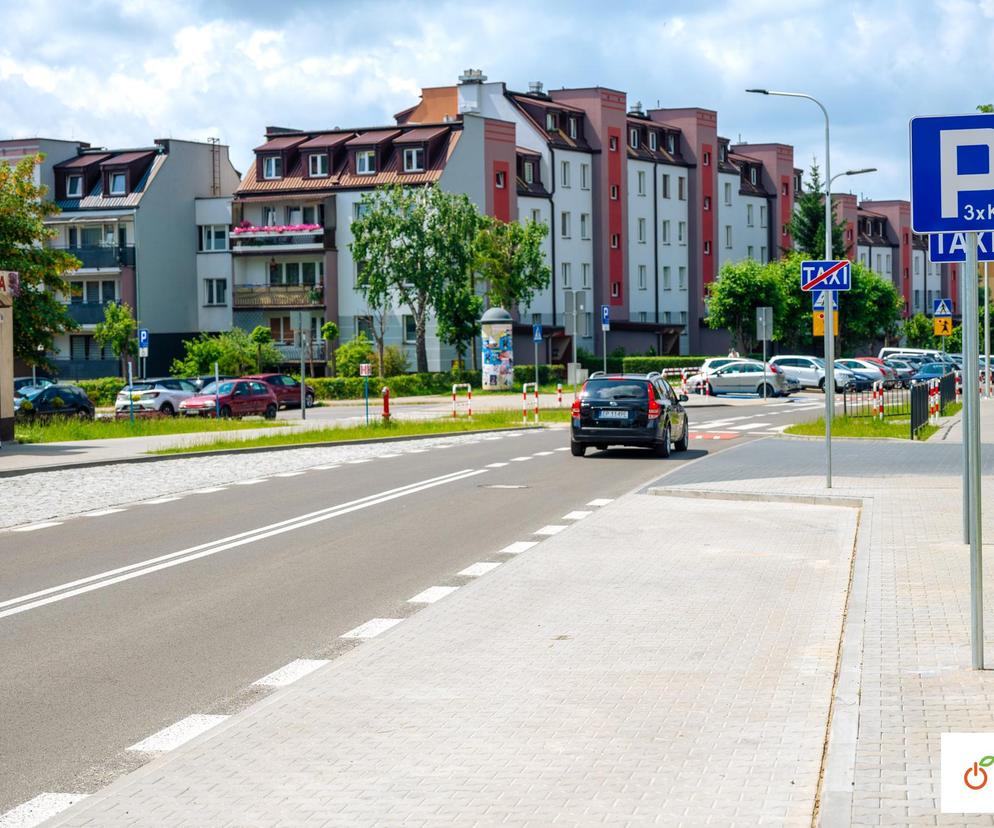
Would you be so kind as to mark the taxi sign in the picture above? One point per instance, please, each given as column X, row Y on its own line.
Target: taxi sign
column 830, row 275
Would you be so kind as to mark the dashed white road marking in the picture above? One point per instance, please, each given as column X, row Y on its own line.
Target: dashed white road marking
column 178, row 734
column 357, row 462
column 551, row 529
column 209, row 489
column 496, row 465
column 328, row 467
column 157, row 500
column 291, row 672
column 507, row 486
column 432, row 594
column 250, row 482
column 102, row 512
column 36, row 811
column 478, row 569
column 600, row 501
column 386, row 456
column 518, row 547
column 748, row 426
column 33, row 527
column 372, row 628
column 417, row 451
column 289, row 474
column 520, row 459
column 577, row 514
column 563, row 448
column 542, row 453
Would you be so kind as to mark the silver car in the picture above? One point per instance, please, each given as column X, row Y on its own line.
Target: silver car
column 809, row 371
column 744, row 376
column 154, row 395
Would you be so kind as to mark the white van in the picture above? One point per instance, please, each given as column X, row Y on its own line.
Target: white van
column 931, row 353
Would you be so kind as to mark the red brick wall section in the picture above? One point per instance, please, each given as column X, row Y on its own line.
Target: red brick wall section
column 786, row 209
column 708, row 269
column 615, row 225
column 499, row 156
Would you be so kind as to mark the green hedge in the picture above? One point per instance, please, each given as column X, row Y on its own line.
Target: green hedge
column 615, row 364
column 102, row 391
column 546, row 373
column 644, row 364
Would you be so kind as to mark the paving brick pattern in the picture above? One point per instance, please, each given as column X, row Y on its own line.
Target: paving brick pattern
column 609, row 674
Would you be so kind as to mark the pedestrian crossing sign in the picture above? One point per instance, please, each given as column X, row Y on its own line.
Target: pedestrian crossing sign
column 942, row 326
column 942, row 307
column 818, row 323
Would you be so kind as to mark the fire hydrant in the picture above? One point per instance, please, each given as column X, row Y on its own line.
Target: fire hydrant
column 386, row 404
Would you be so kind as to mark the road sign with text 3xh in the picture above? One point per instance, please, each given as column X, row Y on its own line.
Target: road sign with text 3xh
column 952, row 173
column 942, row 326
column 830, row 275
column 942, row 307
column 818, row 323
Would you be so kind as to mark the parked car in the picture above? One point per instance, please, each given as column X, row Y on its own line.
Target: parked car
column 863, row 375
column 809, row 371
column 878, row 373
column 232, row 398
column 743, row 376
column 891, row 380
column 629, row 410
column 21, row 383
column 930, row 354
column 161, row 395
column 904, row 368
column 287, row 389
column 54, row 401
column 931, row 371
column 207, row 379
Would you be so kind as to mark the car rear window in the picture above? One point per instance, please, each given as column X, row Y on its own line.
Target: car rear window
column 616, row 389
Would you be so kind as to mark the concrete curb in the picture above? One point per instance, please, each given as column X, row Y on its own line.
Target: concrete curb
column 153, row 458
column 720, row 494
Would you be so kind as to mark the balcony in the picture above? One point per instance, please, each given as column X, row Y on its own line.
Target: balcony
column 278, row 296
column 86, row 313
column 291, row 353
column 101, row 256
column 283, row 237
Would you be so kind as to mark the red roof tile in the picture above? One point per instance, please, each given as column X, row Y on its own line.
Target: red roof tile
column 281, row 143
column 369, row 139
column 327, row 141
column 416, row 136
column 83, row 161
column 127, row 158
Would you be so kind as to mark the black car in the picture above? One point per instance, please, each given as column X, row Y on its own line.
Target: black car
column 55, row 400
column 628, row 410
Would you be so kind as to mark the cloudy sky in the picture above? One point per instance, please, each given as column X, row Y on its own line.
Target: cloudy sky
column 123, row 73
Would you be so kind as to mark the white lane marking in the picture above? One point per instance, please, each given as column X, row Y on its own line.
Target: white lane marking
column 34, row 527
column 289, row 474
column 600, row 501
column 542, row 453
column 209, row 490
column 291, row 672
column 417, row 451
column 386, row 456
column 748, row 426
column 192, row 553
column 357, row 462
column 326, row 468
column 507, row 486
column 478, row 569
column 250, row 482
column 563, row 448
column 520, row 459
column 577, row 514
column 551, row 529
column 102, row 512
column 496, row 465
column 36, row 811
column 431, row 595
column 373, row 628
column 178, row 734
column 518, row 547
column 158, row 500
column 735, row 419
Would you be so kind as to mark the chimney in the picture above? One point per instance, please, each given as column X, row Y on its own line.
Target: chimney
column 470, row 83
column 472, row 76
column 535, row 88
column 636, row 110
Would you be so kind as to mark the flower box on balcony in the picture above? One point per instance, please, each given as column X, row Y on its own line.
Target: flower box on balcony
column 254, row 231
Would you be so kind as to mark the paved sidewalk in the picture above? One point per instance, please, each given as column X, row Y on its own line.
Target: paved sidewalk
column 661, row 661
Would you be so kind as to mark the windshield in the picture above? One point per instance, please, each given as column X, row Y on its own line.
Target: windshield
column 819, row 361
column 31, row 391
column 934, row 368
column 616, row 389
column 217, row 388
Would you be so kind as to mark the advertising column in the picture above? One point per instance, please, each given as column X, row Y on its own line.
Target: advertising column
column 498, row 348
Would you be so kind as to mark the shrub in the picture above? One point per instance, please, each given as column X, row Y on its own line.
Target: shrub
column 546, row 373
column 395, row 361
column 102, row 391
column 353, row 353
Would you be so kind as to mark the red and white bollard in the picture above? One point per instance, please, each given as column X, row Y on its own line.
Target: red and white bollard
column 469, row 398
column 559, row 394
column 453, row 401
column 959, row 386
column 878, row 400
column 524, row 400
column 386, row 404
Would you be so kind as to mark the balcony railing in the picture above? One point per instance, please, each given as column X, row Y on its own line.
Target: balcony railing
column 101, row 255
column 86, row 313
column 250, row 239
column 291, row 353
column 278, row 296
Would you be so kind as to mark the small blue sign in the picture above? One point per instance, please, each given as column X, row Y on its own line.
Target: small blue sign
column 536, row 333
column 818, row 298
column 951, row 247
column 605, row 318
column 952, row 173
column 143, row 337
column 822, row 276
column 942, row 307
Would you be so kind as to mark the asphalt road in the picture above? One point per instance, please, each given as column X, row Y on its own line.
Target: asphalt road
column 104, row 641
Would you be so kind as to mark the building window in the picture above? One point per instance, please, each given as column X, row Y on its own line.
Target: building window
column 567, row 271
column 585, row 176
column 728, row 194
column 529, row 172
column 633, row 138
column 785, row 230
column 918, row 299
column 74, row 186
column 550, row 121
column 728, row 236
column 216, row 291
column 762, row 215
column 564, row 220
column 118, row 184
column 500, row 180
column 752, row 174
column 572, row 128
column 614, row 192
column 588, row 324
column 666, row 231
column 615, row 290
column 537, row 216
column 410, row 329
column 762, row 255
column 667, row 317
column 653, row 141
column 750, row 250
column 670, row 142
column 683, row 318
column 681, row 232
column 584, row 225
column 414, row 159
column 683, row 278
column 666, row 277
column 707, row 248
column 707, row 202
column 365, row 162
column 707, row 159
column 317, row 165
column 585, row 275
column 564, row 174
column 666, row 186
column 615, row 240
column 642, row 280
column 272, row 166
column 640, row 179
column 681, row 188
column 785, row 189
column 613, row 143
column 213, row 237
column 722, row 153
column 641, row 230
column 749, row 215
column 918, row 265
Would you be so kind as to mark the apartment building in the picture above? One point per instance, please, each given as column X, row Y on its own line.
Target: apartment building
column 127, row 215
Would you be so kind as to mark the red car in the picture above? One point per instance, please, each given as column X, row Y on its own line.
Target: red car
column 286, row 389
column 232, row 398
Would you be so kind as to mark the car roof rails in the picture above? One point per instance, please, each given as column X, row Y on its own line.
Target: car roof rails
column 597, row 374
column 654, row 374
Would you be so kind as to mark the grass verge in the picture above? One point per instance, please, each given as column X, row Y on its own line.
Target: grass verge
column 952, row 408
column 867, row 427
column 394, row 428
column 56, row 430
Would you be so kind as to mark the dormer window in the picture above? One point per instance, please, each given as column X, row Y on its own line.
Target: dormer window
column 272, row 166
column 529, row 172
column 74, row 186
column 633, row 138
column 317, row 165
column 118, row 184
column 572, row 128
column 365, row 162
column 653, row 141
column 752, row 174
column 414, row 159
column 722, row 153
column 670, row 142
column 550, row 121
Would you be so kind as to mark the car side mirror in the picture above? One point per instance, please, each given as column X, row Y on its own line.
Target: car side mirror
column 683, row 398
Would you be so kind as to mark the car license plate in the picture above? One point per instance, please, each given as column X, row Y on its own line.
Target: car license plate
column 610, row 414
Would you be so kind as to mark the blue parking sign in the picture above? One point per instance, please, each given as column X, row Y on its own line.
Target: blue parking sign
column 605, row 318
column 952, row 173
column 143, row 337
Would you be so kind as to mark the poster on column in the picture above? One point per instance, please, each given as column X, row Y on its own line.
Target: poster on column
column 498, row 355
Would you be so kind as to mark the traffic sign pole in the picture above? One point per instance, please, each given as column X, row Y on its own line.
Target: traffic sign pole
column 972, row 437
column 987, row 334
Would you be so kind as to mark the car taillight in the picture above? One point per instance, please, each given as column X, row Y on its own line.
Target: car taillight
column 654, row 408
column 774, row 368
column 575, row 410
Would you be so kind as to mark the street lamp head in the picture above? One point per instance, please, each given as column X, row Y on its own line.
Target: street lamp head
column 860, row 172
column 759, row 91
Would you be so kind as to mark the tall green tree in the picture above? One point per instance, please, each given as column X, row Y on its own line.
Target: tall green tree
column 261, row 336
column 39, row 312
column 458, row 315
column 732, row 300
column 412, row 242
column 807, row 225
column 869, row 311
column 918, row 332
column 329, row 333
column 233, row 351
column 118, row 331
column 509, row 262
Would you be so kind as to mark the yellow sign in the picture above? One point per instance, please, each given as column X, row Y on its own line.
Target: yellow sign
column 818, row 323
column 942, row 326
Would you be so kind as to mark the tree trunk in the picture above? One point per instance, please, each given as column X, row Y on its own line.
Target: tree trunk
column 258, row 358
column 422, row 349
column 331, row 353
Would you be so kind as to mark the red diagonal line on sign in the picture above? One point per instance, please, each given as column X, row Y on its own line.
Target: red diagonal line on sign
column 825, row 274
